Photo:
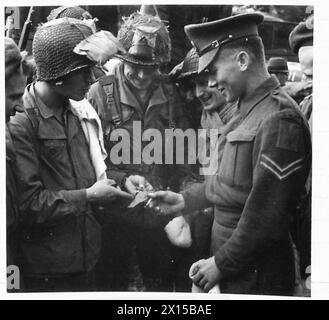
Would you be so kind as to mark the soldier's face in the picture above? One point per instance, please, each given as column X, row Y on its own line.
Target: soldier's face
column 210, row 98
column 225, row 74
column 15, row 86
column 139, row 76
column 76, row 84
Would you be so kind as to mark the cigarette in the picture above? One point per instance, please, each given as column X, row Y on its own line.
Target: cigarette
column 148, row 203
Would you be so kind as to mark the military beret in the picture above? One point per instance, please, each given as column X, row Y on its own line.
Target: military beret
column 13, row 57
column 302, row 35
column 209, row 37
column 277, row 64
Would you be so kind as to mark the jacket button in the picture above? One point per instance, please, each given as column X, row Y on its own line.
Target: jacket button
column 46, row 279
column 27, row 237
column 50, row 234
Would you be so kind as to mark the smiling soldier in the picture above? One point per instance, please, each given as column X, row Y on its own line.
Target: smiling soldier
column 136, row 92
column 265, row 163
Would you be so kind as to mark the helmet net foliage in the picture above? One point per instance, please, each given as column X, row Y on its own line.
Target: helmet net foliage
column 162, row 45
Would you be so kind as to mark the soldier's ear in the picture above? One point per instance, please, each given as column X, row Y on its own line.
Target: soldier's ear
column 243, row 59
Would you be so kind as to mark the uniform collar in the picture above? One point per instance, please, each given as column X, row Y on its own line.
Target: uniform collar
column 45, row 111
column 128, row 97
column 259, row 94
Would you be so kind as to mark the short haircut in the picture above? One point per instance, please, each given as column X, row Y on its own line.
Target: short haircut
column 254, row 46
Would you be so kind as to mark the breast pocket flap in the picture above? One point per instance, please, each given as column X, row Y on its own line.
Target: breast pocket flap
column 240, row 136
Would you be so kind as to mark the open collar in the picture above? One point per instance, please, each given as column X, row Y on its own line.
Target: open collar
column 128, row 97
column 259, row 94
column 45, row 111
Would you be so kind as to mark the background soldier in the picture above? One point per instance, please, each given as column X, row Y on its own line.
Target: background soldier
column 135, row 91
column 263, row 169
column 15, row 85
column 301, row 42
column 215, row 113
column 279, row 67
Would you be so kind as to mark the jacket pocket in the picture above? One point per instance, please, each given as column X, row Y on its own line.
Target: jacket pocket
column 67, row 246
column 236, row 164
column 52, row 148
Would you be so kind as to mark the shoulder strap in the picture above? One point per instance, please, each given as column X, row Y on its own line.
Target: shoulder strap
column 111, row 95
column 33, row 115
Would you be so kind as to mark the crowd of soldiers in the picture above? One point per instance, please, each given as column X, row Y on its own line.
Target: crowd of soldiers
column 79, row 221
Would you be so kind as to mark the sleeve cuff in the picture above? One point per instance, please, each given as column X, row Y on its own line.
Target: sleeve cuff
column 77, row 197
column 225, row 265
column 195, row 198
column 117, row 176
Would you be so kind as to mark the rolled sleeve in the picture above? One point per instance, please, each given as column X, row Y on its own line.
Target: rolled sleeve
column 195, row 198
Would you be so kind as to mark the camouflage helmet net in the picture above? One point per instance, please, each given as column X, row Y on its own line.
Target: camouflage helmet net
column 162, row 49
column 69, row 12
column 190, row 64
column 53, row 45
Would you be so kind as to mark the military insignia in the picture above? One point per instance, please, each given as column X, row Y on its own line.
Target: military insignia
column 280, row 172
column 288, row 137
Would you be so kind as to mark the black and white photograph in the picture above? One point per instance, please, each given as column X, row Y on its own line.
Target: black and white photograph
column 163, row 148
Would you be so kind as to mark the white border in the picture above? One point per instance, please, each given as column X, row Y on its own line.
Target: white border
column 320, row 209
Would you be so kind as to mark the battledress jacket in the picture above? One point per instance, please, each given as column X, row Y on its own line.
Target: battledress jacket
column 265, row 163
column 58, row 232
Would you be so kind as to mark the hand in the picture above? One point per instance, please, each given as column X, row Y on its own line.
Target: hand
column 105, row 190
column 205, row 274
column 166, row 202
column 135, row 183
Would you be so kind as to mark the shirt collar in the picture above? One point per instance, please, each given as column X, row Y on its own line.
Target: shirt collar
column 259, row 94
column 128, row 97
column 45, row 111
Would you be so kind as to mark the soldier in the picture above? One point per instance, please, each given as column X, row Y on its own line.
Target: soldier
column 135, row 92
column 62, row 172
column 264, row 166
column 215, row 113
column 301, row 42
column 279, row 67
column 184, row 75
column 15, row 85
column 214, row 110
